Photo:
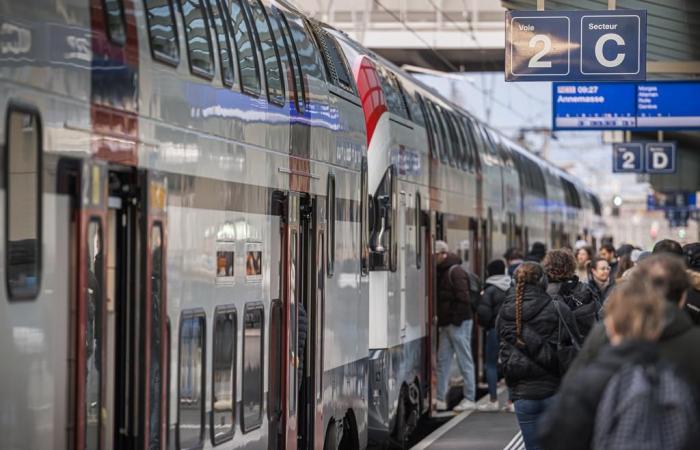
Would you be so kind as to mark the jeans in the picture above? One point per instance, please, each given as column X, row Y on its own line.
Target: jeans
column 528, row 413
column 456, row 340
column 491, row 360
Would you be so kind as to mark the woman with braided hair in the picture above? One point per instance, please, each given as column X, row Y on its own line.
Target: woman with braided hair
column 531, row 338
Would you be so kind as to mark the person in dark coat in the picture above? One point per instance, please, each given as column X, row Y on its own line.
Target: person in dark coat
column 528, row 325
column 608, row 253
column 514, row 258
column 680, row 339
column 692, row 303
column 599, row 280
column 455, row 321
column 496, row 286
column 564, row 285
column 536, row 253
column 635, row 314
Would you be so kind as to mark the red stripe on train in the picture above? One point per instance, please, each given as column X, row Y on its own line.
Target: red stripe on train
column 369, row 86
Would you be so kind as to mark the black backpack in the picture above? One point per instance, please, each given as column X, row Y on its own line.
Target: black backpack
column 474, row 286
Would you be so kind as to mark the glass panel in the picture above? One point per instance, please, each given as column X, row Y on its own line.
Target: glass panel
column 217, row 17
column 191, row 381
column 283, row 50
column 308, row 53
column 274, row 387
column 364, row 223
column 294, row 356
column 252, row 368
column 197, row 34
column 273, row 69
column 23, row 204
column 292, row 49
column 156, row 369
column 247, row 59
column 93, row 335
column 161, row 30
column 330, row 219
column 115, row 20
column 224, row 383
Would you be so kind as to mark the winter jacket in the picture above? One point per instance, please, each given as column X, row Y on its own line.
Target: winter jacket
column 302, row 331
column 492, row 299
column 602, row 294
column 692, row 302
column 569, row 421
column 581, row 299
column 532, row 371
column 679, row 344
column 452, row 292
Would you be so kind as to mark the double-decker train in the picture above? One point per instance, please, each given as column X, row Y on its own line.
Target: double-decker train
column 218, row 221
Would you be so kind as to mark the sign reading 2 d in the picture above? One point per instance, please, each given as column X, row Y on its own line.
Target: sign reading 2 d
column 575, row 45
column 660, row 157
column 628, row 158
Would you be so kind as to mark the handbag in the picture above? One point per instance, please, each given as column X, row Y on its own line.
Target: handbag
column 565, row 353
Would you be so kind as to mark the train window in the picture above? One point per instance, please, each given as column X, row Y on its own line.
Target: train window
column 402, row 94
column 253, row 350
column 444, row 133
column 191, row 380
column 218, row 18
column 467, row 162
column 434, row 132
column 285, row 54
column 197, row 34
column 308, row 53
column 457, row 146
column 23, row 200
column 93, row 335
column 393, row 96
column 245, row 51
column 383, row 248
column 296, row 63
column 156, row 357
column 330, row 220
column 268, row 48
column 336, row 67
column 114, row 16
column 430, row 128
column 419, row 232
column 364, row 221
column 161, row 31
column 274, row 381
column 415, row 108
column 474, row 141
column 223, row 395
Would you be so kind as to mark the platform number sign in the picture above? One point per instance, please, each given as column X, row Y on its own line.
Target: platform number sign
column 575, row 45
column 660, row 157
column 628, row 158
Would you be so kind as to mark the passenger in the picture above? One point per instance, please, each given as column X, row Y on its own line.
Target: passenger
column 633, row 321
column 564, row 285
column 668, row 246
column 599, row 279
column 624, row 264
column 497, row 284
column 528, row 325
column 537, row 252
column 692, row 304
column 583, row 262
column 608, row 253
column 679, row 340
column 514, row 258
column 455, row 326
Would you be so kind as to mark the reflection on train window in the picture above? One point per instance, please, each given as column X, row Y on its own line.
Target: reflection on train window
column 190, row 410
column 330, row 221
column 252, row 367
column 197, row 34
column 223, row 397
column 218, row 18
column 273, row 68
column 93, row 334
column 308, row 54
column 23, row 200
column 114, row 15
column 294, row 55
column 247, row 60
column 283, row 49
column 161, row 31
column 156, row 369
column 253, row 262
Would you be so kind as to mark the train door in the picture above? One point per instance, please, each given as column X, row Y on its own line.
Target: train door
column 431, row 293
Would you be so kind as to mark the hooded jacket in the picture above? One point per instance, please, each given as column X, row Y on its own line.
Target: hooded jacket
column 692, row 302
column 581, row 299
column 453, row 305
column 492, row 299
column 532, row 370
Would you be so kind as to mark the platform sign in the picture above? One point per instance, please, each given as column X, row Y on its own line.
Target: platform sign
column 628, row 158
column 576, row 45
column 660, row 157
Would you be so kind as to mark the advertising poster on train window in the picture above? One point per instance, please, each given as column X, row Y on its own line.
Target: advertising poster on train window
column 225, row 258
column 253, row 261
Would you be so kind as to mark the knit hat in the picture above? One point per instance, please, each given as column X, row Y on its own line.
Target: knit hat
column 496, row 267
column 441, row 247
column 692, row 255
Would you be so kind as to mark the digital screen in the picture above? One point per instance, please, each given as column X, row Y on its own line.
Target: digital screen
column 645, row 105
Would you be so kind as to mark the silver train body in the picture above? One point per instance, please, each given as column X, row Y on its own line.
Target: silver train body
column 214, row 238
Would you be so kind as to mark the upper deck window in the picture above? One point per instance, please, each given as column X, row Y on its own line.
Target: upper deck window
column 218, row 17
column 243, row 40
column 114, row 16
column 308, row 53
column 295, row 63
column 268, row 47
column 197, row 34
column 161, row 31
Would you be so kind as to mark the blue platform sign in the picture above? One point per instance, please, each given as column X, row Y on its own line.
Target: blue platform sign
column 576, row 45
column 628, row 158
column 660, row 157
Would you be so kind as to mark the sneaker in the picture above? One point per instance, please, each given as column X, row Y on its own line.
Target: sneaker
column 464, row 405
column 510, row 407
column 440, row 405
column 488, row 407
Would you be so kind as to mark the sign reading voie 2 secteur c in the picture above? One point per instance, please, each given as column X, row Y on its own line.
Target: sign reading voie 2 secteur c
column 576, row 45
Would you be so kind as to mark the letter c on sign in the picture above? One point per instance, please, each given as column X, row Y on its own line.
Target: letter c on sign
column 599, row 50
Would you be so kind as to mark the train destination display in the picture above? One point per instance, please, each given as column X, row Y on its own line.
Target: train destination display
column 646, row 105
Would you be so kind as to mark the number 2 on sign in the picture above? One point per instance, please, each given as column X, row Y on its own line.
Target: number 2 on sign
column 547, row 46
column 628, row 160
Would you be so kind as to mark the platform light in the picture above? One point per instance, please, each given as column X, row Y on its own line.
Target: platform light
column 617, row 201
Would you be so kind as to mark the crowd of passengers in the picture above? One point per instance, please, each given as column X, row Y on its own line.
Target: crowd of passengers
column 598, row 351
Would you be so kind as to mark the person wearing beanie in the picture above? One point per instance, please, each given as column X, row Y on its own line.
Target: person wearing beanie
column 496, row 285
column 537, row 252
column 692, row 260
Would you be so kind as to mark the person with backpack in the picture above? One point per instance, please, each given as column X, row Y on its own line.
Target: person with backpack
column 626, row 398
column 496, row 285
column 455, row 319
column 537, row 336
column 692, row 304
column 564, row 285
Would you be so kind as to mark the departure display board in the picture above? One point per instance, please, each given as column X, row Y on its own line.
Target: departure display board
column 609, row 106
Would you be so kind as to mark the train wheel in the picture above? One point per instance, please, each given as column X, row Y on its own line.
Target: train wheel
column 406, row 421
column 331, row 440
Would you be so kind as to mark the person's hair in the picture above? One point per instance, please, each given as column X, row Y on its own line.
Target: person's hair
column 636, row 310
column 692, row 256
column 527, row 273
column 668, row 246
column 624, row 249
column 586, row 249
column 624, row 264
column 609, row 248
column 559, row 265
column 496, row 267
column 594, row 262
column 666, row 273
column 513, row 253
